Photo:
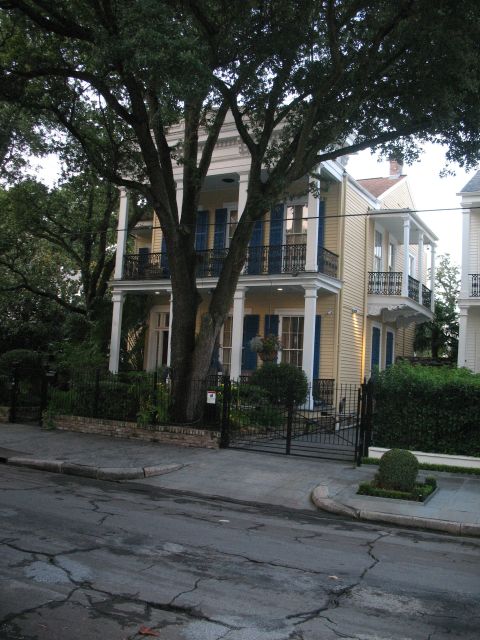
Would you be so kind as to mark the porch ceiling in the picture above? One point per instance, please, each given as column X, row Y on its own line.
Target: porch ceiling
column 401, row 311
column 392, row 221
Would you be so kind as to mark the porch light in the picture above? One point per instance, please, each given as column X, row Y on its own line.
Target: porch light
column 279, row 288
column 354, row 310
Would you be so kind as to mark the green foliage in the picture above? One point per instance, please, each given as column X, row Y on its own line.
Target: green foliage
column 24, row 360
column 418, row 493
column 431, row 409
column 397, row 470
column 439, row 338
column 283, row 382
column 129, row 396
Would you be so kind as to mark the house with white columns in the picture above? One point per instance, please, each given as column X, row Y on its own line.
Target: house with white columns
column 340, row 275
column 469, row 298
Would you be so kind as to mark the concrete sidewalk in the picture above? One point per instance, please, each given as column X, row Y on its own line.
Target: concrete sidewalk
column 293, row 482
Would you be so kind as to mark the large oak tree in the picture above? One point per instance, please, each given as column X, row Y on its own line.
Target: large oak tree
column 306, row 81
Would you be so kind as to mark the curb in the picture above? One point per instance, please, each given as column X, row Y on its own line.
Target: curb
column 87, row 471
column 320, row 499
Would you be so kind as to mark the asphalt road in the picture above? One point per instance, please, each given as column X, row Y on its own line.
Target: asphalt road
column 87, row 560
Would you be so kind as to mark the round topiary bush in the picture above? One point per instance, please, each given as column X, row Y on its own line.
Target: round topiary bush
column 398, row 469
column 283, row 382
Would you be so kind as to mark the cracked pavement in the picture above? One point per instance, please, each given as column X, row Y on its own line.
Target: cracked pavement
column 81, row 558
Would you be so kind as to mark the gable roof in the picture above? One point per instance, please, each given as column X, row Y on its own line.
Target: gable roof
column 378, row 186
column 473, row 185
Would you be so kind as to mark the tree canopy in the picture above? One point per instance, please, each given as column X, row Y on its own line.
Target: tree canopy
column 305, row 81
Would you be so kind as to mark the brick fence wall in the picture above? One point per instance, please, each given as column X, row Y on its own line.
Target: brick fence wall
column 184, row 436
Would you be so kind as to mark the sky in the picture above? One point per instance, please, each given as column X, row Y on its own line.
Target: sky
column 429, row 191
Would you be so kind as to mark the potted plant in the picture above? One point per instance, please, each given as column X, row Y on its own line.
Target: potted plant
column 267, row 347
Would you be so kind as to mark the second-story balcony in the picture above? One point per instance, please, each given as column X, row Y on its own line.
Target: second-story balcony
column 261, row 260
column 390, row 283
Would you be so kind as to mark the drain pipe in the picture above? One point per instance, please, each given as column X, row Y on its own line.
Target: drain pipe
column 339, row 302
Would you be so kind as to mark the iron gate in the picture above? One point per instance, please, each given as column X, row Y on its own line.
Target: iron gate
column 333, row 423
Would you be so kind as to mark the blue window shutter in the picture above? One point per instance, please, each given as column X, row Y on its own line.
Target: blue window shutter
column 375, row 348
column 164, row 257
column 316, row 348
column 255, row 249
column 276, row 240
column 271, row 325
column 143, row 254
column 321, row 235
column 220, row 229
column 201, row 231
column 389, row 350
column 250, row 330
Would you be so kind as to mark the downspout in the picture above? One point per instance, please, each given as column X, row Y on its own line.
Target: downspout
column 365, row 303
column 339, row 303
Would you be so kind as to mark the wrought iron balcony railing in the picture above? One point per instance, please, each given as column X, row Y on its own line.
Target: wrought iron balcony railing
column 474, row 287
column 390, row 284
column 260, row 260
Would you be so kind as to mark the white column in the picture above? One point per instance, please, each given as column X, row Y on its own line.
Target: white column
column 242, row 191
column 309, row 332
column 118, row 299
column 121, row 233
column 311, row 263
column 170, row 325
column 237, row 333
column 420, row 267
column 432, row 276
column 464, row 285
column 462, row 337
column 406, row 256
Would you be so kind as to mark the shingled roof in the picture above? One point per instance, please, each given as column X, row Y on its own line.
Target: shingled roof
column 377, row 186
column 473, row 185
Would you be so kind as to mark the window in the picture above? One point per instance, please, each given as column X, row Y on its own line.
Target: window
column 292, row 340
column 391, row 257
column 226, row 343
column 160, row 339
column 378, row 252
column 411, row 265
column 296, row 220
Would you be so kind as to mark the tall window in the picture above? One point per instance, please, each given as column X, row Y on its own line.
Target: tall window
column 391, row 257
column 227, row 345
column 411, row 265
column 378, row 252
column 296, row 224
column 161, row 329
column 292, row 340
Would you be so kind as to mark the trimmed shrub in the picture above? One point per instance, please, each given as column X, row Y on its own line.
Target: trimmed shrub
column 397, row 470
column 283, row 383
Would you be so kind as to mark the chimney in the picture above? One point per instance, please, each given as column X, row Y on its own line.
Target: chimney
column 396, row 168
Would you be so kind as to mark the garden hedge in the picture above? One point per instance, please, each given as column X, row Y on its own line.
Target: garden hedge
column 427, row 409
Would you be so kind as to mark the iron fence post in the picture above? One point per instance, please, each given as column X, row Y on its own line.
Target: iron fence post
column 288, row 443
column 96, row 394
column 225, row 430
column 43, row 396
column 12, row 414
column 154, row 416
